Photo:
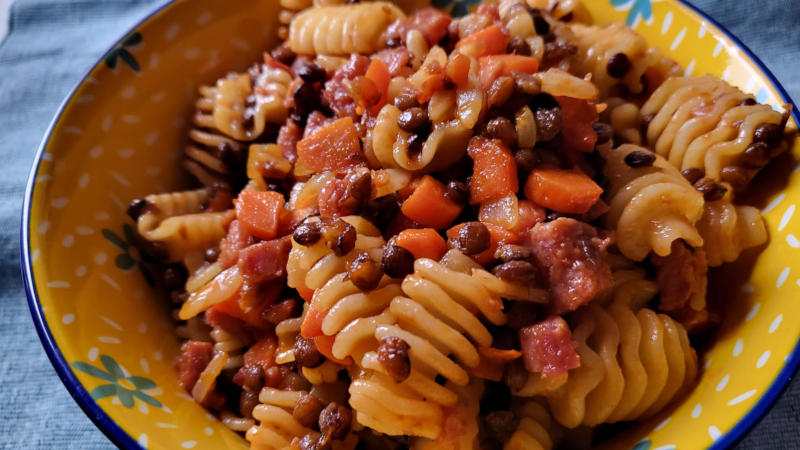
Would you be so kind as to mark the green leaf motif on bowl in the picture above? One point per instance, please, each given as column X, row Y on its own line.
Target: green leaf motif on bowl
column 122, row 52
column 125, row 388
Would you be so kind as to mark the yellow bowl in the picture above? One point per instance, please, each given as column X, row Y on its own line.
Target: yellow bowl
column 120, row 133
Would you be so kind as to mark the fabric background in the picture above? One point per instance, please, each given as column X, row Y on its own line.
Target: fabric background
column 51, row 43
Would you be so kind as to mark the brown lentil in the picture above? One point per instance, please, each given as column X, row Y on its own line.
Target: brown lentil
column 405, row 101
column 768, row 133
column 500, row 425
column 457, row 192
column 358, row 191
column 393, row 356
column 415, row 143
column 137, row 207
column 307, row 233
column 755, row 156
column 518, row 46
column 413, row 119
column 515, row 375
column 510, row 252
column 473, row 238
column 311, row 441
column 520, row 272
column 502, row 128
column 211, row 254
column 253, row 377
column 312, row 73
column 334, row 421
column 306, row 353
column 340, row 237
column 364, row 272
column 618, row 65
column 284, row 54
column 693, row 174
column 307, row 409
column 548, row 117
column 711, row 190
column 526, row 83
column 273, row 377
column 248, row 400
column 748, row 102
column 500, row 92
column 540, row 23
column 736, row 176
column 527, row 159
column 604, row 132
column 277, row 313
column 397, row 261
column 174, row 276
column 638, row 158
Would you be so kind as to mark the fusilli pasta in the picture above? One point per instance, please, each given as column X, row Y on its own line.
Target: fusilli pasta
column 599, row 50
column 651, row 206
column 728, row 229
column 341, row 30
column 705, row 123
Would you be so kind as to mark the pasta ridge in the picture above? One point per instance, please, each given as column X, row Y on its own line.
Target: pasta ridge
column 729, row 229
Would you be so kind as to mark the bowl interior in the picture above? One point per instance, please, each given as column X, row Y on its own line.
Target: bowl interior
column 121, row 134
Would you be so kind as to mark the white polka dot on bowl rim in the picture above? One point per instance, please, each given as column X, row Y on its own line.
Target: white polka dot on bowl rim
column 737, row 347
column 763, row 359
column 723, row 382
column 68, row 319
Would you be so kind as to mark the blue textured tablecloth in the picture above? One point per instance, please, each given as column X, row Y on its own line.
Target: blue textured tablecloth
column 49, row 46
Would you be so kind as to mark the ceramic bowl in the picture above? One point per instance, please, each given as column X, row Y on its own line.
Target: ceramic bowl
column 119, row 135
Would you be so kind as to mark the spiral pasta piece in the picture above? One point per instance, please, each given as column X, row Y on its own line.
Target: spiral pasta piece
column 651, row 206
column 705, row 123
column 437, row 317
column 598, row 45
column 633, row 362
column 728, row 229
column 342, row 29
column 177, row 220
column 245, row 102
column 205, row 155
column 536, row 429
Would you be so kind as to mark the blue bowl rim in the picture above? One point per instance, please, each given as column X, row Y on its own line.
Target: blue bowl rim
column 122, row 439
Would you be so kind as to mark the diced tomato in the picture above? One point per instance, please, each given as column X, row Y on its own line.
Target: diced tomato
column 529, row 215
column 305, row 293
column 495, row 66
column 312, row 322
column 577, row 125
column 260, row 213
column 494, row 170
column 565, row 191
column 262, row 353
column 489, row 41
column 380, row 77
column 422, row 243
column 429, row 206
column 457, row 69
column 492, row 362
column 334, row 147
column 324, row 345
